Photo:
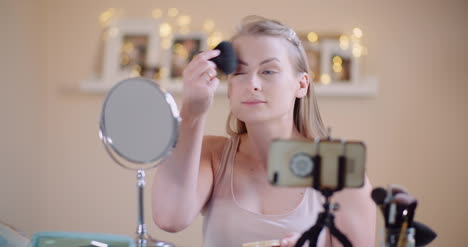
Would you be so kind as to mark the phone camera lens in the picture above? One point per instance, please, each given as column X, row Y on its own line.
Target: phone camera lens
column 302, row 165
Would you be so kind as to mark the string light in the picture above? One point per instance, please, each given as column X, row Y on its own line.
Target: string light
column 163, row 72
column 357, row 32
column 357, row 50
column 165, row 30
column 337, row 68
column 172, row 12
column 184, row 20
column 312, row 37
column 325, row 79
column 157, row 13
column 344, row 42
column 181, row 24
column 136, row 71
column 106, row 17
column 214, row 39
column 337, row 60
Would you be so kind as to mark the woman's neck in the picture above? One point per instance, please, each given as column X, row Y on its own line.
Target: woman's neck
column 260, row 135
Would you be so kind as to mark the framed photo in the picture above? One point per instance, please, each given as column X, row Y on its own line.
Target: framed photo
column 314, row 56
column 132, row 49
column 339, row 65
column 183, row 48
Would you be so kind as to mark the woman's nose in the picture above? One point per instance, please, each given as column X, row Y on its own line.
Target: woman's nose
column 254, row 83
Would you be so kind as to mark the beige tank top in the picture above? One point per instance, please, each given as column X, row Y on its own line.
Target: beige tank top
column 227, row 224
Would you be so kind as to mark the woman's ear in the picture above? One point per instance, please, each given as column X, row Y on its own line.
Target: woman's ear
column 303, row 85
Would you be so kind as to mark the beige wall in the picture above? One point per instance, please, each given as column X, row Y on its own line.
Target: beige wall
column 23, row 112
column 55, row 174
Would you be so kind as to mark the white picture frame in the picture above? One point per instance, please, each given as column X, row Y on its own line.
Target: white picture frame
column 350, row 72
column 314, row 59
column 189, row 43
column 143, row 32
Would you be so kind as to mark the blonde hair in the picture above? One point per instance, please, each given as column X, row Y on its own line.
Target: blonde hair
column 307, row 118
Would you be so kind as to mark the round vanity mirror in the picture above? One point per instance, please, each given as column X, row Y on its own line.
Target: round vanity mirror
column 139, row 127
column 139, row 123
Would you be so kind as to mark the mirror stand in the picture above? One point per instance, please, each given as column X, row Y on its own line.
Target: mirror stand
column 143, row 239
column 138, row 127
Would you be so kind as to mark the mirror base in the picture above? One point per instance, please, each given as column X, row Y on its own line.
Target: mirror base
column 146, row 240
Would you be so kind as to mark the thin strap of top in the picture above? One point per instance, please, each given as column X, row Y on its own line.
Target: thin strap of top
column 228, row 156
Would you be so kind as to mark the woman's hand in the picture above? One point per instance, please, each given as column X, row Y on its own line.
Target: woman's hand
column 290, row 239
column 200, row 83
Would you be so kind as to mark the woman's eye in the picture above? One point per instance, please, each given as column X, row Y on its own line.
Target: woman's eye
column 268, row 72
column 239, row 73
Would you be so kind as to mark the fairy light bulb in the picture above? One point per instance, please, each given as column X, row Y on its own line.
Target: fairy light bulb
column 157, row 13
column 172, row 12
column 312, row 37
column 357, row 32
column 325, row 79
column 165, row 30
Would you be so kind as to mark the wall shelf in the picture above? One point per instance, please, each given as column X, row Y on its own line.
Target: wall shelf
column 367, row 87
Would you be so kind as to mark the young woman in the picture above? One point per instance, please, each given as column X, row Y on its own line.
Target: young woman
column 270, row 97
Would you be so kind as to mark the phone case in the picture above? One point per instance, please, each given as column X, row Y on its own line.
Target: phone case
column 281, row 153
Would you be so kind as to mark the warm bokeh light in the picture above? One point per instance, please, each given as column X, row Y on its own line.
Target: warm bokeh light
column 337, row 68
column 128, row 47
column 157, row 13
column 214, row 39
column 184, row 20
column 181, row 51
column 344, row 42
column 106, row 16
column 172, row 12
column 166, row 43
column 325, row 79
column 125, row 60
column 357, row 50
column 184, row 29
column 165, row 30
column 208, row 26
column 357, row 32
column 136, row 71
column 163, row 72
column 337, row 60
column 113, row 32
column 312, row 37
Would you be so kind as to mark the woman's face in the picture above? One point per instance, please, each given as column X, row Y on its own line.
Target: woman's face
column 265, row 85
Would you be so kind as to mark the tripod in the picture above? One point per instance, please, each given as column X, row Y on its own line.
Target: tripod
column 325, row 219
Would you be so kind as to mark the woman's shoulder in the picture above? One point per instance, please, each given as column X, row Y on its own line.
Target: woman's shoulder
column 214, row 145
column 212, row 139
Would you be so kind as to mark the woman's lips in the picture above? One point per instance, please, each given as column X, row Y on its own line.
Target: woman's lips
column 253, row 102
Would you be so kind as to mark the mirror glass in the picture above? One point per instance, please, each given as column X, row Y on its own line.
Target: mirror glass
column 139, row 121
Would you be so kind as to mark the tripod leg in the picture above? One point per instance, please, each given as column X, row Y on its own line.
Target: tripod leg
column 312, row 234
column 339, row 235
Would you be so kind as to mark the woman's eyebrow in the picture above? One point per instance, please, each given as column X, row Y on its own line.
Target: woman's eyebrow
column 269, row 60
column 262, row 62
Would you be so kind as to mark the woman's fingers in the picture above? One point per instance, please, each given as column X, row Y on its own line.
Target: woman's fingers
column 200, row 83
column 200, row 63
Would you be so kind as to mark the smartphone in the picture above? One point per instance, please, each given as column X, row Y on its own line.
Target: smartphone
column 298, row 163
